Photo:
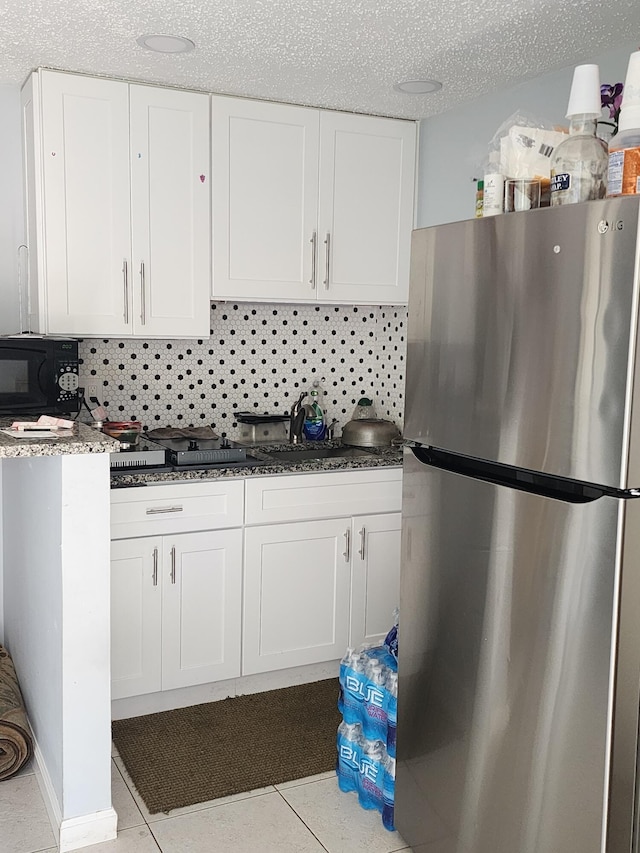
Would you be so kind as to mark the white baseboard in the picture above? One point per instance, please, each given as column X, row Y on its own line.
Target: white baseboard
column 47, row 790
column 89, row 829
column 168, row 700
column 75, row 832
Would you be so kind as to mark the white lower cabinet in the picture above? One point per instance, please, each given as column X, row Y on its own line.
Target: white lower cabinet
column 313, row 588
column 296, row 594
column 176, row 609
column 314, row 569
column 375, row 576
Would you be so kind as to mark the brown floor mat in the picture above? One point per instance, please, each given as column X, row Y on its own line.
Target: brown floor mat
column 190, row 755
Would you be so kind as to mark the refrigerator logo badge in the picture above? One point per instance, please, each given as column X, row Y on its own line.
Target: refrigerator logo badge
column 604, row 226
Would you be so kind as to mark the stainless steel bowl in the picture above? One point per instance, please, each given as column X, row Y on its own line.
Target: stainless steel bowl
column 371, row 432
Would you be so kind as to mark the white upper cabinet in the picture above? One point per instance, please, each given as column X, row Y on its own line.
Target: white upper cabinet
column 117, row 207
column 170, row 225
column 310, row 205
column 265, row 199
column 365, row 213
column 85, row 196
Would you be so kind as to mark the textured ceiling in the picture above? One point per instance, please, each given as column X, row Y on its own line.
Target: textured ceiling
column 342, row 54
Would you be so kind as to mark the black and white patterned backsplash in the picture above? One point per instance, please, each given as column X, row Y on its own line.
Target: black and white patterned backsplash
column 258, row 358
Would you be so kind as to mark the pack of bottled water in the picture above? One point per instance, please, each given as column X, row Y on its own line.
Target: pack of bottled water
column 367, row 736
column 369, row 693
column 364, row 766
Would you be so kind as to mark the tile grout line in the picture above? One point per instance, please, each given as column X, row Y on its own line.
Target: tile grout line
column 303, row 822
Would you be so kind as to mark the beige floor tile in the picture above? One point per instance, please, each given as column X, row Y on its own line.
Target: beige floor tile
column 330, row 774
column 262, row 824
column 153, row 818
column 338, row 821
column 128, row 812
column 24, row 823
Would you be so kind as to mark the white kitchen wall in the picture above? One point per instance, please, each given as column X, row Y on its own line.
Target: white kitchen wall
column 258, row 358
column 454, row 145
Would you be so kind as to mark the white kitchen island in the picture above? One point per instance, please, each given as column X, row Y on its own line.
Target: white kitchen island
column 55, row 549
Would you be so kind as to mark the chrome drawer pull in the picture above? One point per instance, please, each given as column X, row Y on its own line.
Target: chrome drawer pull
column 155, row 510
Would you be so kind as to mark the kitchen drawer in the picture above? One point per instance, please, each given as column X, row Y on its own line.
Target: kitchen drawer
column 176, row 508
column 299, row 497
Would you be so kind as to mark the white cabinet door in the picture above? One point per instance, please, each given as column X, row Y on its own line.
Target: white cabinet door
column 375, row 579
column 85, row 151
column 265, row 199
column 170, row 275
column 136, row 599
column 296, row 594
column 202, row 588
column 365, row 208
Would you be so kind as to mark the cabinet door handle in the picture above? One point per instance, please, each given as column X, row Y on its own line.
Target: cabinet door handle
column 363, row 539
column 327, row 243
column 26, row 323
column 347, row 551
column 143, row 295
column 125, row 275
column 156, row 510
column 313, row 241
column 173, row 564
column 155, row 567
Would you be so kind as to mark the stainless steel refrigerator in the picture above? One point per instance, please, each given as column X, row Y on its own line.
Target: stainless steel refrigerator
column 519, row 673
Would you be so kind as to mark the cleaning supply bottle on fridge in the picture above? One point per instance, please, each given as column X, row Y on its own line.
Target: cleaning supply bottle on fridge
column 624, row 147
column 579, row 163
column 315, row 426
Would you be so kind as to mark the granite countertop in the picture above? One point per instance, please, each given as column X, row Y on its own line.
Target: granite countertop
column 85, row 439
column 379, row 457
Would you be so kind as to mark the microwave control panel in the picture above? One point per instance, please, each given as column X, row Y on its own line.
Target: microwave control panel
column 66, row 371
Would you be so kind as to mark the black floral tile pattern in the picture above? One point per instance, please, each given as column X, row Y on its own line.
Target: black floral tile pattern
column 258, row 358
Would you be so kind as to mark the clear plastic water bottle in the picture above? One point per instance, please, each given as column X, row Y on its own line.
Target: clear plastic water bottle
column 392, row 712
column 388, row 793
column 372, row 766
column 349, row 742
column 579, row 163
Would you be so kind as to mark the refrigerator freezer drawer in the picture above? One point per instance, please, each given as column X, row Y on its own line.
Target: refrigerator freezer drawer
column 509, row 624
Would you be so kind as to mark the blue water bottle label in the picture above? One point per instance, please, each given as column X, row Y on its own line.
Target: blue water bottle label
column 560, row 182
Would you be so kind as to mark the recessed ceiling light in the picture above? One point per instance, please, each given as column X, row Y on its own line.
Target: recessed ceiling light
column 418, row 87
column 166, row 44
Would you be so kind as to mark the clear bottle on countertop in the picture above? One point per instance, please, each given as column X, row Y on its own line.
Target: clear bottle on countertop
column 315, row 425
column 579, row 163
column 364, row 410
column 624, row 147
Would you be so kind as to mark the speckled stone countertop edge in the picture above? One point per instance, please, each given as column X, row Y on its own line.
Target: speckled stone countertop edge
column 380, row 458
column 84, row 440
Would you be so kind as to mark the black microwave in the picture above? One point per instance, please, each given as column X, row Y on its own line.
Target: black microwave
column 39, row 375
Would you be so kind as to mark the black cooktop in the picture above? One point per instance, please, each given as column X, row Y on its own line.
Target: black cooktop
column 181, row 453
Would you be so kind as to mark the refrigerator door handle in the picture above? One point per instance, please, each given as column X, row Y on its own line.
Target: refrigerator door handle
column 560, row 488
